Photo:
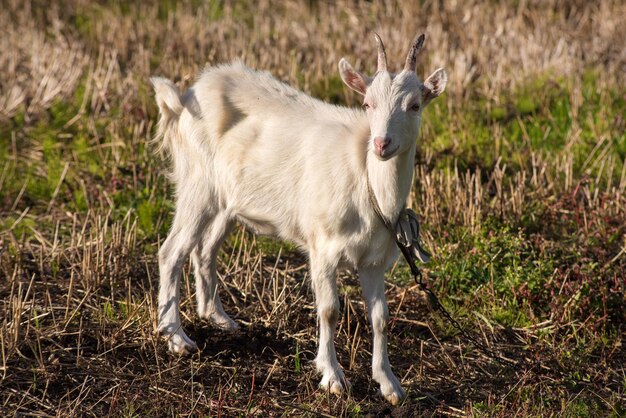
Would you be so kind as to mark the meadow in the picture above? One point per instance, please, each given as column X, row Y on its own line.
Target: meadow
column 520, row 187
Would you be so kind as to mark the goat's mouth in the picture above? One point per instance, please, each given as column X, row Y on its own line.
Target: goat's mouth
column 386, row 153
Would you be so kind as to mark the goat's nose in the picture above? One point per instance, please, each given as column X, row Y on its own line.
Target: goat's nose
column 381, row 143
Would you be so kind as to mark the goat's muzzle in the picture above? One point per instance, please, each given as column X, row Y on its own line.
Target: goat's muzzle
column 382, row 147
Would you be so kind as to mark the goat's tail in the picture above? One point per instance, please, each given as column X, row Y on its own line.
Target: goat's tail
column 170, row 108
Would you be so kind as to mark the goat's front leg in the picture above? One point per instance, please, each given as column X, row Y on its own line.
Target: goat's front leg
column 373, row 286
column 324, row 284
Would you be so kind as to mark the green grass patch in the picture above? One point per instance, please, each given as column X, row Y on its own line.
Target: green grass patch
column 535, row 118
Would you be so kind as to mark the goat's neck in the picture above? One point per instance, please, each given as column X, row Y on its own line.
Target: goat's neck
column 391, row 181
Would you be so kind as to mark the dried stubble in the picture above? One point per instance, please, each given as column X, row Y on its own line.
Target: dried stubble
column 529, row 234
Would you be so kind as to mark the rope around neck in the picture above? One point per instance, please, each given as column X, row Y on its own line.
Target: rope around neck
column 406, row 234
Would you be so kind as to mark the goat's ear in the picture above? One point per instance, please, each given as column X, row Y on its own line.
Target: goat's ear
column 434, row 85
column 353, row 79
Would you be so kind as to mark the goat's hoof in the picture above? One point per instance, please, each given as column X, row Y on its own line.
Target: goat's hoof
column 224, row 323
column 393, row 395
column 218, row 318
column 332, row 387
column 395, row 398
column 181, row 344
column 390, row 387
column 334, row 384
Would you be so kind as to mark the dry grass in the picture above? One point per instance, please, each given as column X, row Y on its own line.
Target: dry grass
column 521, row 184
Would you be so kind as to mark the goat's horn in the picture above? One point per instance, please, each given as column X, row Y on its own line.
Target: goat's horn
column 382, row 56
column 411, row 59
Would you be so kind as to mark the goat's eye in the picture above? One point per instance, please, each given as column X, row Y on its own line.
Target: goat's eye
column 415, row 107
column 366, row 106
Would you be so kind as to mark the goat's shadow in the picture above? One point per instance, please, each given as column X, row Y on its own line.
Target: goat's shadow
column 252, row 342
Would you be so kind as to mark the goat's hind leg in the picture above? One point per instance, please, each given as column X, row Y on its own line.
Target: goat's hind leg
column 204, row 258
column 186, row 231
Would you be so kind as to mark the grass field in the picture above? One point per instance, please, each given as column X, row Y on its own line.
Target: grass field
column 520, row 185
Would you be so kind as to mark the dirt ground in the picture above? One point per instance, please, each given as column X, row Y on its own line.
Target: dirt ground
column 520, row 187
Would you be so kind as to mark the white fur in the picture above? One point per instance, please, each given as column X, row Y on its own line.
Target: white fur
column 248, row 148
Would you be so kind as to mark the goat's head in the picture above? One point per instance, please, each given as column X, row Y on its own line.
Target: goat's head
column 394, row 102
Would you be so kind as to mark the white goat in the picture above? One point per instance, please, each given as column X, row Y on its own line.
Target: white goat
column 248, row 148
